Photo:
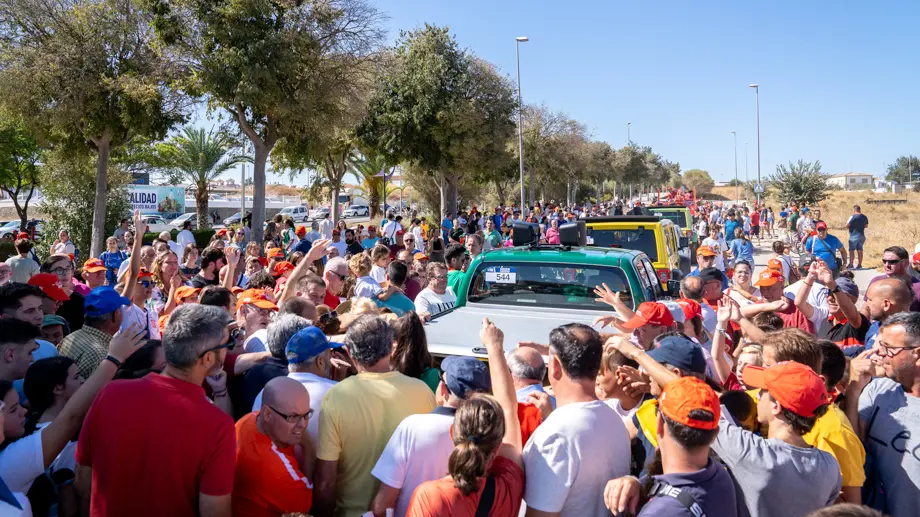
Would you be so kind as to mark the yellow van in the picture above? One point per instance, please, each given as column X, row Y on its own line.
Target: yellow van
column 657, row 237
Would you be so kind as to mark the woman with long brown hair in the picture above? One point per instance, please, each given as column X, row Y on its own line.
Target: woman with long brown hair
column 410, row 351
column 485, row 467
column 166, row 279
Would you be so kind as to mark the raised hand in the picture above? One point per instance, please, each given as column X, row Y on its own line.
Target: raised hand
column 604, row 321
column 317, row 250
column 125, row 343
column 140, row 227
column 232, row 254
column 218, row 381
column 606, row 295
column 628, row 349
column 490, row 335
column 724, row 313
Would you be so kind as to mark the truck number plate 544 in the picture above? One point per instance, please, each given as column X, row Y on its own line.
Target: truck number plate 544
column 501, row 275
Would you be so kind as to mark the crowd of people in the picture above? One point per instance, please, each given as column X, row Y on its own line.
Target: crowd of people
column 293, row 377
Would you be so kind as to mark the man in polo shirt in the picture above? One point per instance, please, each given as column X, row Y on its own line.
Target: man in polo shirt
column 165, row 423
column 309, row 360
column 87, row 346
column 358, row 417
column 770, row 283
column 269, row 478
column 840, row 321
column 421, row 445
column 527, row 372
column 692, row 482
column 781, row 474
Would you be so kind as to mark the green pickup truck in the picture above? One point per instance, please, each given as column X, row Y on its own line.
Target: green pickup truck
column 530, row 289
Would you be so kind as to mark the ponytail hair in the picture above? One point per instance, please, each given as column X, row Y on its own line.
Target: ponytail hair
column 479, row 426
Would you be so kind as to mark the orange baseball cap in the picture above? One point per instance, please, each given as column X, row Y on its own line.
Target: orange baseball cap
column 650, row 313
column 275, row 253
column 50, row 286
column 256, row 297
column 795, row 386
column 282, row 268
column 706, row 251
column 682, row 396
column 420, row 256
column 768, row 277
column 93, row 265
column 691, row 308
column 161, row 322
column 186, row 292
column 301, row 230
column 144, row 273
column 775, row 264
column 236, row 289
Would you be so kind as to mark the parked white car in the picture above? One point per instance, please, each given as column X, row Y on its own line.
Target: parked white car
column 356, row 211
column 319, row 213
column 176, row 224
column 156, row 224
column 298, row 213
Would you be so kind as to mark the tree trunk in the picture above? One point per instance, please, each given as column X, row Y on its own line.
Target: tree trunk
column 258, row 190
column 201, row 206
column 102, row 172
column 443, row 189
column 531, row 189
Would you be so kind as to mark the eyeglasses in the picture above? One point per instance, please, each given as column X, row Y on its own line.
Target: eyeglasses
column 328, row 316
column 145, row 283
column 229, row 344
column 341, row 276
column 891, row 351
column 61, row 271
column 292, row 419
column 438, row 277
column 892, row 262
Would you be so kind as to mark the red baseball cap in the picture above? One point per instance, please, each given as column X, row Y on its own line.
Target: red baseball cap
column 50, row 286
column 301, row 230
column 706, row 251
column 691, row 308
column 371, row 228
column 282, row 268
column 795, row 386
column 915, row 258
column 682, row 396
column 22, row 235
column 93, row 265
column 768, row 277
column 821, row 226
column 255, row 297
column 336, row 232
column 650, row 313
column 221, row 232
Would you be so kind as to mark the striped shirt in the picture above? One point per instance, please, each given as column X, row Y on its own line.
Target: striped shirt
column 87, row 347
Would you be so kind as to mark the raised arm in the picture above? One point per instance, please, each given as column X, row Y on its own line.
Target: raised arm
column 134, row 266
column 317, row 251
column 850, row 311
column 655, row 370
column 723, row 368
column 503, row 390
column 232, row 256
column 801, row 297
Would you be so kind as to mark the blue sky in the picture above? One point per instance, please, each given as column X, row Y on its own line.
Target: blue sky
column 838, row 80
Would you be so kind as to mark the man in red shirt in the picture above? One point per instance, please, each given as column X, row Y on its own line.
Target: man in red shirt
column 156, row 445
column 269, row 478
column 771, row 283
column 334, row 275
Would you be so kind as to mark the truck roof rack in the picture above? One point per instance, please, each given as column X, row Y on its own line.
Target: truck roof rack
column 624, row 219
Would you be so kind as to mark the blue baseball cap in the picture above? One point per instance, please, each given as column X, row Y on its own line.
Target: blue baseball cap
column 307, row 343
column 103, row 300
column 680, row 352
column 464, row 375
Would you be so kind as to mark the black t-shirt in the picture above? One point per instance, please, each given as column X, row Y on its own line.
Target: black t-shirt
column 73, row 311
column 355, row 248
column 200, row 282
column 845, row 334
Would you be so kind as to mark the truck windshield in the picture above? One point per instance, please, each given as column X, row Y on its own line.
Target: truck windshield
column 636, row 239
column 676, row 216
column 546, row 285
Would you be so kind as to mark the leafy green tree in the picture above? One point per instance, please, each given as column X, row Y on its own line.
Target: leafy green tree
column 903, row 168
column 367, row 168
column 197, row 157
column 698, row 180
column 70, row 194
column 800, row 182
column 19, row 164
column 439, row 108
column 86, row 76
column 284, row 72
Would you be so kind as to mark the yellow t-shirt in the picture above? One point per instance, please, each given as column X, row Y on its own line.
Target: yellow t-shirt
column 833, row 433
column 357, row 418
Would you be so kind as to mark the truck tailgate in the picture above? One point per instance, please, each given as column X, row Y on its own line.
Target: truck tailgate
column 457, row 332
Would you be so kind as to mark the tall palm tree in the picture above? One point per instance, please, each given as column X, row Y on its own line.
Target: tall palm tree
column 366, row 168
column 197, row 157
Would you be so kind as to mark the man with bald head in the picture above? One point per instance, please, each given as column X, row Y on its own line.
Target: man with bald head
column 884, row 297
column 527, row 372
column 692, row 288
column 269, row 478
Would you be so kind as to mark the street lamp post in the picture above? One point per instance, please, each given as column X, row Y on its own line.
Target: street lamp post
column 517, row 47
column 628, row 138
column 756, row 88
column 737, row 194
column 746, row 178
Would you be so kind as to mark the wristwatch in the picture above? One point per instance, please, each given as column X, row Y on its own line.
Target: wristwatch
column 114, row 361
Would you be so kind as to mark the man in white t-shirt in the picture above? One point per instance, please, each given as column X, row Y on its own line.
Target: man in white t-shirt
column 716, row 242
column 309, row 358
column 437, row 297
column 420, row 447
column 325, row 227
column 583, row 443
column 185, row 237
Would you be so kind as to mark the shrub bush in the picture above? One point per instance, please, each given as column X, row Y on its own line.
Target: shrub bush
column 6, row 250
column 202, row 237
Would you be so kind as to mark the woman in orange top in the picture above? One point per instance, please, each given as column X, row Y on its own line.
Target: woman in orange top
column 486, row 466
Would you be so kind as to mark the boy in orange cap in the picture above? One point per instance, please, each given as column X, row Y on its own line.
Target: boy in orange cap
column 94, row 273
column 770, row 282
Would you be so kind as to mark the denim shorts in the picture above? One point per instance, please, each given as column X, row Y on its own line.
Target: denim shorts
column 857, row 241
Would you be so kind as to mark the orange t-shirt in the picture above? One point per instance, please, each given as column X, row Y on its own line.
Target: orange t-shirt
column 441, row 499
column 530, row 417
column 268, row 480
